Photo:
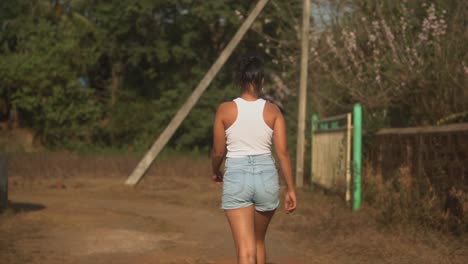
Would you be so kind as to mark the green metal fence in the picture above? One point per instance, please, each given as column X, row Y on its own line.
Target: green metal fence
column 336, row 161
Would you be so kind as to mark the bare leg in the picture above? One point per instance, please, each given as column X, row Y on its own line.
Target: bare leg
column 242, row 228
column 262, row 219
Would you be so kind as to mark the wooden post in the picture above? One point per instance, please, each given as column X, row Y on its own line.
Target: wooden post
column 162, row 140
column 312, row 152
column 302, row 95
column 349, row 131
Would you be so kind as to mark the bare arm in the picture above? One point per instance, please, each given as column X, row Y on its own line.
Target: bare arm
column 219, row 145
column 281, row 147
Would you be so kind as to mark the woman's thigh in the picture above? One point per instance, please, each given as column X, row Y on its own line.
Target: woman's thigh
column 242, row 223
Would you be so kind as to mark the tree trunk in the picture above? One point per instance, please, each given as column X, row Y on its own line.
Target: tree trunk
column 13, row 118
column 117, row 70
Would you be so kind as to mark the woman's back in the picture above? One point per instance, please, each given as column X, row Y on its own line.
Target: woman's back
column 249, row 134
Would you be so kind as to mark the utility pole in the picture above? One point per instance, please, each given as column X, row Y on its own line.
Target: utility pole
column 300, row 150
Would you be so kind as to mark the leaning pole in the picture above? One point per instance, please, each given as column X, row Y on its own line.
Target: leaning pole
column 162, row 140
column 300, row 149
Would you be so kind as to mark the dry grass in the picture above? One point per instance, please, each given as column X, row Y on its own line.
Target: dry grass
column 404, row 201
column 397, row 202
column 168, row 174
column 400, row 201
column 39, row 165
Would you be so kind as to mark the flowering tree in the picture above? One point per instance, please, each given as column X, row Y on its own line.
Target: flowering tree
column 405, row 61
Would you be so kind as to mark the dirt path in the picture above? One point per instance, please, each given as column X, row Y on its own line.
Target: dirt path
column 177, row 220
column 107, row 223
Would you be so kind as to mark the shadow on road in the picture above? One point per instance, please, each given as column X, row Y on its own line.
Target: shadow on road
column 24, row 207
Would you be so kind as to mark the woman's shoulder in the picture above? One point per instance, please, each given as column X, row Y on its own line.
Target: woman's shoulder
column 272, row 108
column 271, row 113
column 227, row 107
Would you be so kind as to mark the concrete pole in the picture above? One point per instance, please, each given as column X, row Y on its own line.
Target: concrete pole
column 149, row 157
column 300, row 150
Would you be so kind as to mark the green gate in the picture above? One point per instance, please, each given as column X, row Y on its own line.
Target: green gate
column 336, row 154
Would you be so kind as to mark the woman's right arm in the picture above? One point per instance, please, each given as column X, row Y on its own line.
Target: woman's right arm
column 281, row 147
column 218, row 151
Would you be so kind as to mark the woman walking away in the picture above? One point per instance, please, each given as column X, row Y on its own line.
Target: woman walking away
column 244, row 131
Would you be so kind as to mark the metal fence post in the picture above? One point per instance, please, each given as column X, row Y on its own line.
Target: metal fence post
column 313, row 128
column 357, row 155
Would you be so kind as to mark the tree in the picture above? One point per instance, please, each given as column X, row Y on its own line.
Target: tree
column 43, row 57
column 404, row 61
column 119, row 70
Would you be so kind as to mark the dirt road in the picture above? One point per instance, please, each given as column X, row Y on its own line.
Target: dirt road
column 173, row 217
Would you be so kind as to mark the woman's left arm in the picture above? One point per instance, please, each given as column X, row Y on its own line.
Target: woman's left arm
column 219, row 145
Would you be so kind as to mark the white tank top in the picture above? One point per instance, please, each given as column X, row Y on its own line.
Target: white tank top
column 249, row 134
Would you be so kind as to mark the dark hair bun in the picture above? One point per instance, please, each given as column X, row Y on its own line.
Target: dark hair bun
column 250, row 71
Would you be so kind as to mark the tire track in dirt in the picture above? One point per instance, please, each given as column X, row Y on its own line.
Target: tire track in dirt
column 85, row 227
column 100, row 221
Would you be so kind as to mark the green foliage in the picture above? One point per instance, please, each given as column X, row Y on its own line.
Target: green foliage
column 142, row 59
column 169, row 52
column 42, row 60
column 113, row 73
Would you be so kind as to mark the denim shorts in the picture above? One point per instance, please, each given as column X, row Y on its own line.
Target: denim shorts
column 251, row 180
